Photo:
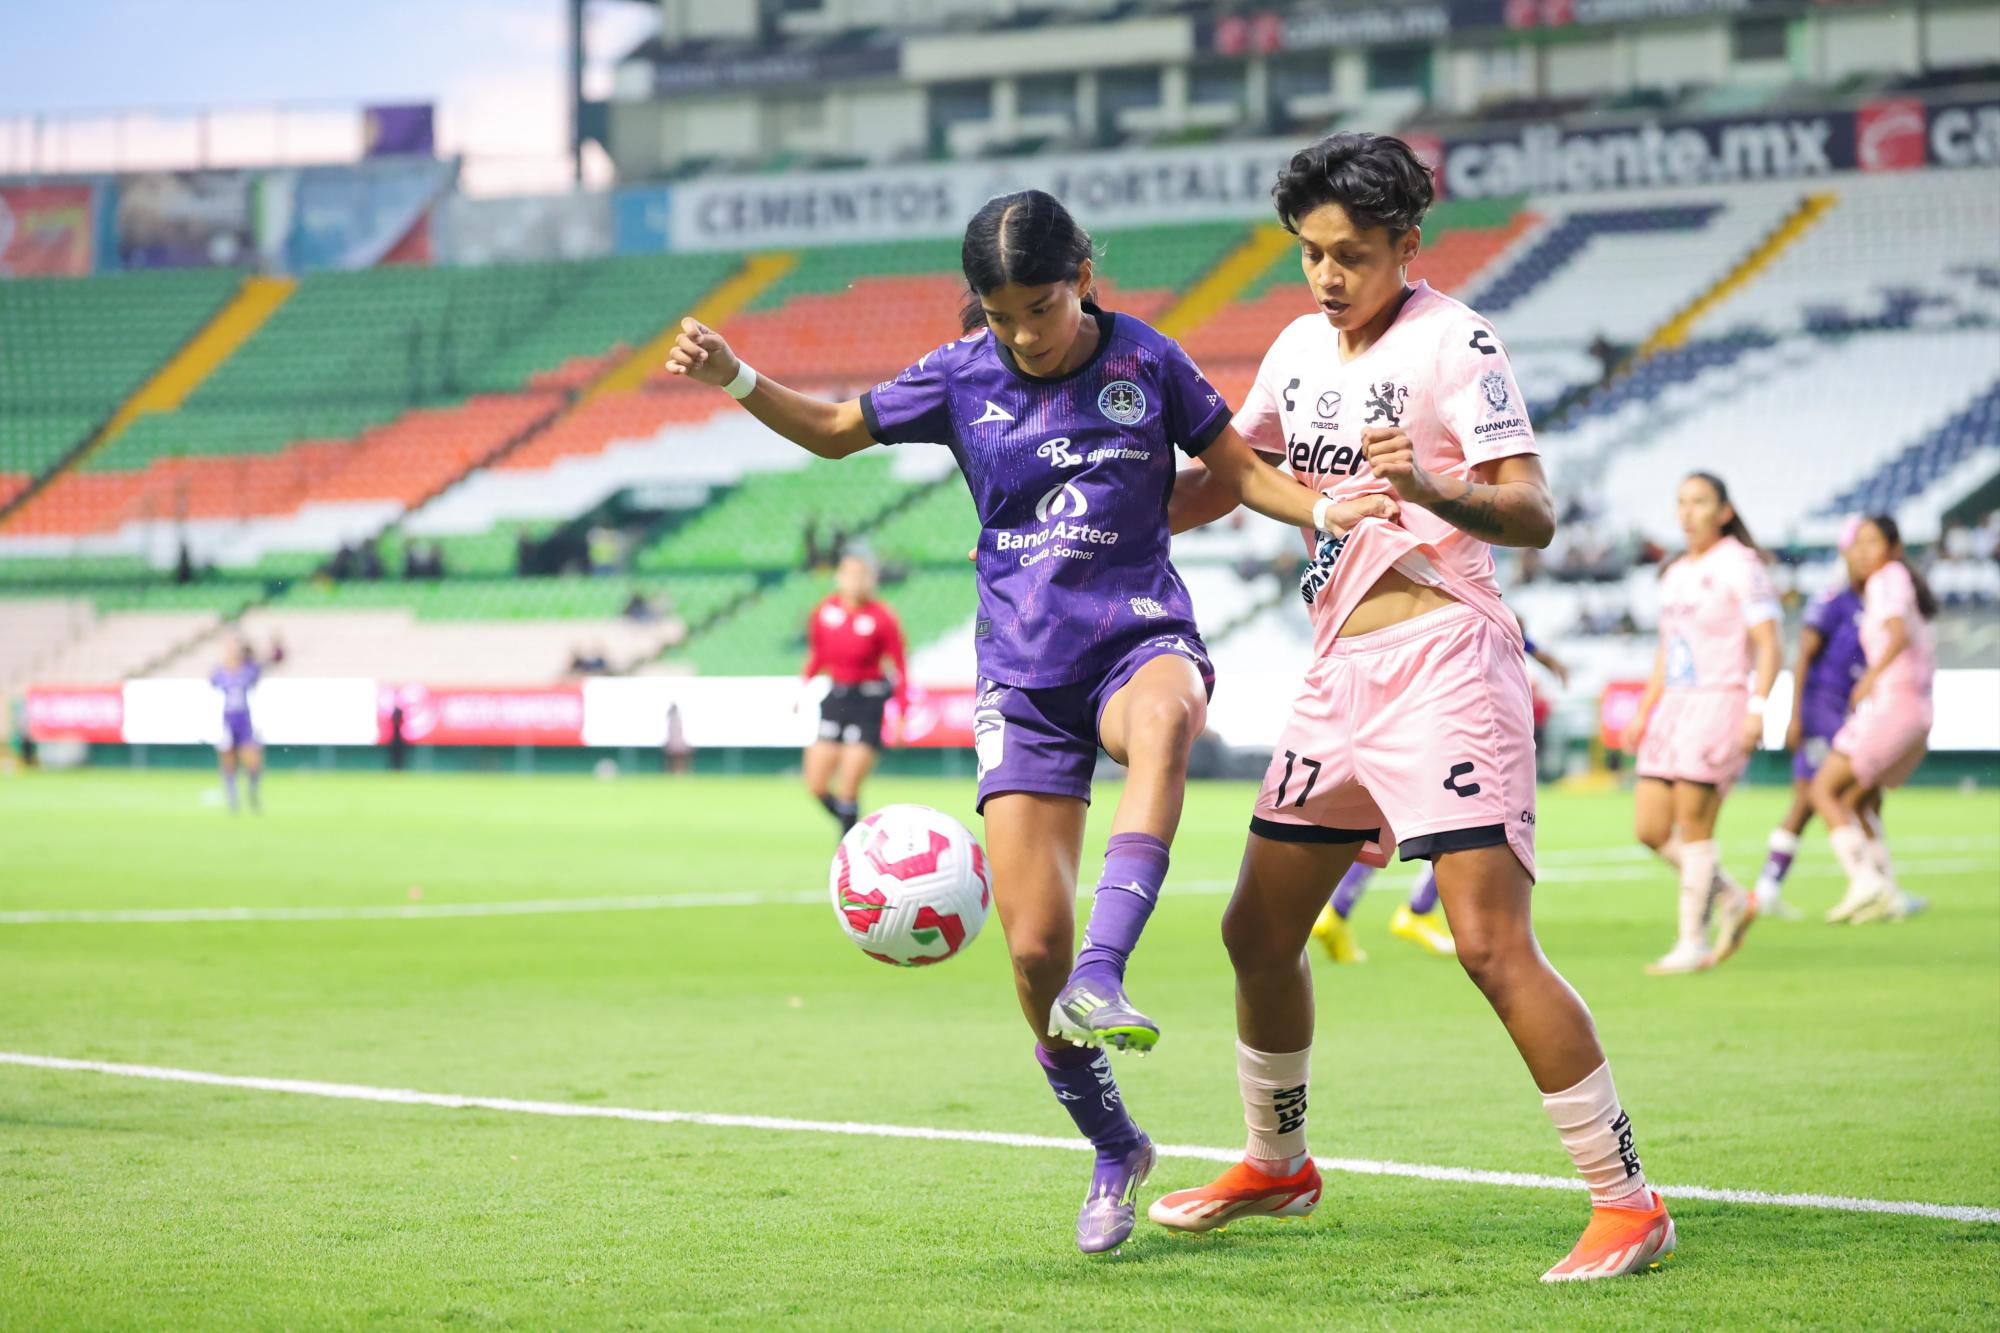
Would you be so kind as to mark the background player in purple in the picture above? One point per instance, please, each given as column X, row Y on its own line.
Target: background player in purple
column 1064, row 419
column 1830, row 660
column 235, row 678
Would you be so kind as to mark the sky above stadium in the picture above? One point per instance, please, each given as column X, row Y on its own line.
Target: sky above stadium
column 494, row 68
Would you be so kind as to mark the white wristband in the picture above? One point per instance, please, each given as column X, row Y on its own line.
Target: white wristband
column 1756, row 706
column 745, row 381
column 1320, row 512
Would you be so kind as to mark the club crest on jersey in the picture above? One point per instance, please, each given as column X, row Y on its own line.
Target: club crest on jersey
column 1064, row 501
column 1123, row 402
column 1494, row 385
column 1386, row 402
column 1057, row 452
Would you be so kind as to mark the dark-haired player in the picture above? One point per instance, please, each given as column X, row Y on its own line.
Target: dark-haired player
column 1414, row 724
column 1702, row 715
column 848, row 638
column 1063, row 418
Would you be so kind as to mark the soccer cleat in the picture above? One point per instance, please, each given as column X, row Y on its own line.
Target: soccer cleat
column 1735, row 910
column 1619, row 1241
column 1908, row 905
column 1110, row 1209
column 1337, row 937
column 1857, row 897
column 1092, row 1012
column 1778, row 909
column 1687, row 956
column 1241, row 1191
column 1426, row 930
column 1885, row 904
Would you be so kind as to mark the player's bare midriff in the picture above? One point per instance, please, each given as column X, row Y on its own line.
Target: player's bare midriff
column 1394, row 599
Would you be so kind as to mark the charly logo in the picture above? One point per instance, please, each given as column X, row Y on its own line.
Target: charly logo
column 1494, row 385
column 1057, row 452
column 1328, row 404
column 1385, row 402
column 1123, row 402
column 1064, row 501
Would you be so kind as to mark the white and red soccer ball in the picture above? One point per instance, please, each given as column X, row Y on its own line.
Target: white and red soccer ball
column 910, row 885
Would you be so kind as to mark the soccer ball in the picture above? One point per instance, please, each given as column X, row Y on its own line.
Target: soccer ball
column 910, row 885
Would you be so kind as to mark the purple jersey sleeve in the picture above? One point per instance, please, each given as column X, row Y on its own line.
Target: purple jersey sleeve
column 1823, row 614
column 915, row 407
column 1194, row 413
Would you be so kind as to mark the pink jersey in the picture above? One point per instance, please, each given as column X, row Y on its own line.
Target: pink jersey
column 1440, row 373
column 1707, row 604
column 1892, row 595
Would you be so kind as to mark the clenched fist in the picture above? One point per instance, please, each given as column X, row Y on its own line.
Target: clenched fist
column 1343, row 516
column 1393, row 458
column 701, row 354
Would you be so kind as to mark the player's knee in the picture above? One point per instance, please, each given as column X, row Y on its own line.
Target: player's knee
column 1248, row 935
column 1492, row 958
column 1653, row 832
column 1163, row 723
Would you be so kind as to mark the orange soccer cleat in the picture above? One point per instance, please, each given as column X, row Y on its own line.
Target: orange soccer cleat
column 1241, row 1191
column 1619, row 1241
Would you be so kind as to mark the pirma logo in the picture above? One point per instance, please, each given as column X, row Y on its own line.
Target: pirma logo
column 1123, row 402
column 1889, row 134
column 1064, row 501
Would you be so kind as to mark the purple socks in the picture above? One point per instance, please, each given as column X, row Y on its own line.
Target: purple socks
column 1424, row 896
column 1135, row 865
column 1352, row 885
column 1081, row 1079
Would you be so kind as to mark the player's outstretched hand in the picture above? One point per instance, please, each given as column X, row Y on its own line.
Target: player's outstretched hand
column 1393, row 458
column 701, row 354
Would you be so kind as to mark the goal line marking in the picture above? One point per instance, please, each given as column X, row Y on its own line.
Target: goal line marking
column 356, row 1092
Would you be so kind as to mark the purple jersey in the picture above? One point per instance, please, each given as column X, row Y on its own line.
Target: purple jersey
column 1070, row 477
column 235, row 684
column 1836, row 616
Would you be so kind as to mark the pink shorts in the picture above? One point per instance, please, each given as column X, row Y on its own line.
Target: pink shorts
column 1696, row 736
column 1886, row 738
column 1421, row 734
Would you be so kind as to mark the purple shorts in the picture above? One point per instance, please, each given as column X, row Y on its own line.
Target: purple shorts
column 237, row 732
column 1045, row 740
column 1820, row 720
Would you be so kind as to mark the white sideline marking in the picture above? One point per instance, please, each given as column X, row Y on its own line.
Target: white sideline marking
column 356, row 1092
column 659, row 901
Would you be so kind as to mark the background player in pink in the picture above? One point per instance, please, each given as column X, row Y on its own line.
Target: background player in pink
column 1886, row 736
column 1414, row 724
column 1702, row 715
column 1064, row 419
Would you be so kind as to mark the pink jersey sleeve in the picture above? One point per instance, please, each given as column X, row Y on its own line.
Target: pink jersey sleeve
column 1478, row 402
column 1890, row 594
column 1257, row 421
column 1751, row 583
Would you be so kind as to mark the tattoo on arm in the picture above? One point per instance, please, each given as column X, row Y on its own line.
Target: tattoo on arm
column 1475, row 510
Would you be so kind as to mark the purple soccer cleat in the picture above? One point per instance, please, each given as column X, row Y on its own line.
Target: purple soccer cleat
column 1110, row 1209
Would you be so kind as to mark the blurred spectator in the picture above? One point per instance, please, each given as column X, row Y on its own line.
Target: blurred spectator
column 344, row 563
column 816, row 557
column 1608, row 355
column 605, row 549
column 589, row 660
column 678, row 754
column 184, row 566
column 526, row 556
column 413, row 560
column 370, row 561
column 638, row 610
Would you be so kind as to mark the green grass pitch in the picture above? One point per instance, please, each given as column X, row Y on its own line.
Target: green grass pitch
column 1861, row 1062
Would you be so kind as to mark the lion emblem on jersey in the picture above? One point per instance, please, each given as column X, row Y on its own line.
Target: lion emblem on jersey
column 1385, row 403
column 1494, row 385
